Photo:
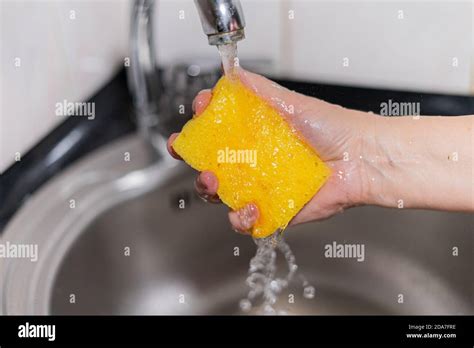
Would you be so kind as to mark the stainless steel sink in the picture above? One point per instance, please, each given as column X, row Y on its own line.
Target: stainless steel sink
column 128, row 248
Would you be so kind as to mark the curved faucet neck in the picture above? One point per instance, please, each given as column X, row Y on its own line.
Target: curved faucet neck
column 222, row 21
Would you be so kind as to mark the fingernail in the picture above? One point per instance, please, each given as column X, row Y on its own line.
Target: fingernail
column 196, row 98
column 206, row 90
column 169, row 146
column 200, row 186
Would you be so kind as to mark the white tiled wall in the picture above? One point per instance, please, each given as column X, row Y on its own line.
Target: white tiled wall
column 65, row 58
column 416, row 45
column 181, row 39
column 408, row 45
column 49, row 54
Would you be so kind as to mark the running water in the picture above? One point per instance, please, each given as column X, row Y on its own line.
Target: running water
column 262, row 278
column 264, row 285
column 229, row 58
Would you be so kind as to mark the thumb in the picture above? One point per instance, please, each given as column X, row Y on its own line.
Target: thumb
column 312, row 118
column 287, row 102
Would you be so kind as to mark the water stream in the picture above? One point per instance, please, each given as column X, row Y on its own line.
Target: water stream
column 262, row 278
column 229, row 58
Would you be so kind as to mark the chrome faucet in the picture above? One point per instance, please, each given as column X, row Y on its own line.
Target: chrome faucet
column 222, row 22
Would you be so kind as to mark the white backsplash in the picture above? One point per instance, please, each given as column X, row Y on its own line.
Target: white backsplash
column 70, row 58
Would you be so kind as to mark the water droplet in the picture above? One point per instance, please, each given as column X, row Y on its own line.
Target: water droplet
column 309, row 292
column 245, row 305
column 268, row 310
column 275, row 286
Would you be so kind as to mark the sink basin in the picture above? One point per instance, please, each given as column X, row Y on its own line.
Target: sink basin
column 130, row 247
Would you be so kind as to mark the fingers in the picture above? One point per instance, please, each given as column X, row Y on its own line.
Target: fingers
column 263, row 87
column 243, row 219
column 169, row 146
column 206, row 186
column 288, row 103
column 206, row 183
column 201, row 101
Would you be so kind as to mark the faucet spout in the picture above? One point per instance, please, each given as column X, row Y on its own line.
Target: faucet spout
column 223, row 23
column 222, row 20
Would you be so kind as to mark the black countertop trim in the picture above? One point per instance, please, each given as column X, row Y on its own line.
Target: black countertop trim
column 70, row 140
column 369, row 99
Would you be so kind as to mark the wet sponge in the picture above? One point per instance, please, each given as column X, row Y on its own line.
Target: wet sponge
column 257, row 157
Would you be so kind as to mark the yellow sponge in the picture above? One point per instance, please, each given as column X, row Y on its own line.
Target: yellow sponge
column 257, row 157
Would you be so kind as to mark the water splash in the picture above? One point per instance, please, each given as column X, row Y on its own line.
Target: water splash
column 264, row 285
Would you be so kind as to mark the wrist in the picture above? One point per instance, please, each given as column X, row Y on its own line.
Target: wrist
column 421, row 162
column 382, row 164
column 377, row 166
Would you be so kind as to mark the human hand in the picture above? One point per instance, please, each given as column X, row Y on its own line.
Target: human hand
column 403, row 162
column 335, row 133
